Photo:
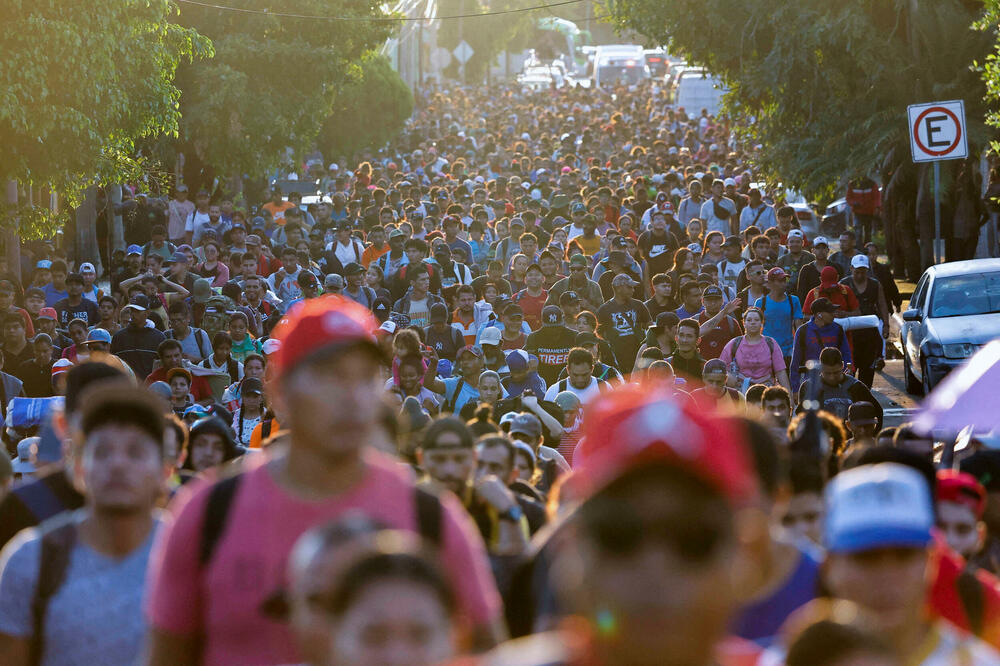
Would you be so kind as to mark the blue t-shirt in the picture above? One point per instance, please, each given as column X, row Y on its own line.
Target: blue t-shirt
column 682, row 313
column 533, row 381
column 465, row 394
column 779, row 317
column 53, row 295
column 760, row 620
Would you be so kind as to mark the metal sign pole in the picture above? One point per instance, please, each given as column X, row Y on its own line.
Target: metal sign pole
column 938, row 253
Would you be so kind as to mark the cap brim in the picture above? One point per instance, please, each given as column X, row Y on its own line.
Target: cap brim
column 881, row 536
column 21, row 467
column 133, row 306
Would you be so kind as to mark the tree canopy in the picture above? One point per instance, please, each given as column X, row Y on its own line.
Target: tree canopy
column 828, row 83
column 368, row 110
column 81, row 82
column 826, row 86
column 272, row 82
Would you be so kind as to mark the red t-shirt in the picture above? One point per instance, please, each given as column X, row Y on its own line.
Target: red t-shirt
column 532, row 306
column 222, row 601
column 516, row 343
column 199, row 385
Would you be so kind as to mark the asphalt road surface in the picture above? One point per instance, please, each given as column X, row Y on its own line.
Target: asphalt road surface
column 890, row 390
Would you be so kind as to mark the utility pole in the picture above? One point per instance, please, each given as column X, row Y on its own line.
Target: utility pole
column 461, row 64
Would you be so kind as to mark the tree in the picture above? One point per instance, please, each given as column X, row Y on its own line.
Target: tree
column 367, row 111
column 271, row 84
column 828, row 84
column 487, row 35
column 80, row 83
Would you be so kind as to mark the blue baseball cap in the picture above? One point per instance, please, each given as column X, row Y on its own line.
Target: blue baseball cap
column 878, row 506
column 133, row 249
column 99, row 335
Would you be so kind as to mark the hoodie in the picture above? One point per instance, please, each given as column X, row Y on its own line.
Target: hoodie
column 840, row 295
column 810, row 340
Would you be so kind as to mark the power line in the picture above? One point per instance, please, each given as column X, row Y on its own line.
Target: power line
column 377, row 19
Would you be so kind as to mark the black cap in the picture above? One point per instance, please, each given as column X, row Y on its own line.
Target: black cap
column 733, row 240
column 439, row 313
column 586, row 338
column 252, row 385
column 353, row 268
column 823, row 305
column 711, row 291
column 552, row 315
column 568, row 297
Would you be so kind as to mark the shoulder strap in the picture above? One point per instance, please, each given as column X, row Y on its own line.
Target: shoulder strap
column 452, row 400
column 220, row 499
column 57, row 546
column 428, row 506
column 970, row 592
column 197, row 339
column 736, row 345
column 265, row 429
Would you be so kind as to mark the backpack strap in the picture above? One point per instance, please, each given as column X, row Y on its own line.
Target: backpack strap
column 57, row 546
column 970, row 592
column 220, row 499
column 197, row 339
column 450, row 402
column 428, row 509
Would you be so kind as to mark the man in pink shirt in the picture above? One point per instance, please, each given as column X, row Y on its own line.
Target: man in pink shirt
column 226, row 551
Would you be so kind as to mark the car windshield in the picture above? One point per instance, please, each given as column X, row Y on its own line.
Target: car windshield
column 959, row 295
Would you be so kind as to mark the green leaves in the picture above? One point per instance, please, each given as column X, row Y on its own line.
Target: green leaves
column 272, row 82
column 80, row 83
column 827, row 83
column 369, row 110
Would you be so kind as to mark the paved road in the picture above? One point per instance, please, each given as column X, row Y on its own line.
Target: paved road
column 890, row 390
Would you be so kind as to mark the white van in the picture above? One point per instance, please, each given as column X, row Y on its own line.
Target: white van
column 696, row 90
column 620, row 63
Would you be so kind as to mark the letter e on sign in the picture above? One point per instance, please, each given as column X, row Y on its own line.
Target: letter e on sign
column 937, row 131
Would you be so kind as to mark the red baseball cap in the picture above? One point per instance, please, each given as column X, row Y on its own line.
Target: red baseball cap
column 776, row 274
column 962, row 488
column 636, row 424
column 321, row 324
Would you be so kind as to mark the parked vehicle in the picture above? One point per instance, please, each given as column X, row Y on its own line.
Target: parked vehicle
column 696, row 89
column 955, row 310
column 806, row 216
column 619, row 63
column 541, row 77
column 836, row 218
column 656, row 60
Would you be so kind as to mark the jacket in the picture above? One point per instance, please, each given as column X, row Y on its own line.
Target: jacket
column 809, row 341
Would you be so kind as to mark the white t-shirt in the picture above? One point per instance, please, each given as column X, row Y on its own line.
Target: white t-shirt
column 584, row 394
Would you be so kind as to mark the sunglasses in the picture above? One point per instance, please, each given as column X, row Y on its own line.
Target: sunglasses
column 576, row 269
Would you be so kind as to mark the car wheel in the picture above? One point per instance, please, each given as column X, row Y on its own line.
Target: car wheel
column 913, row 386
column 926, row 379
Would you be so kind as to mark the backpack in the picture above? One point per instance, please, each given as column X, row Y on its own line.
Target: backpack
column 220, row 499
column 216, row 317
column 736, row 346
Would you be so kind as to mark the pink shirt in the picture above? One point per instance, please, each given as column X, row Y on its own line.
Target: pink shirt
column 755, row 360
column 249, row 563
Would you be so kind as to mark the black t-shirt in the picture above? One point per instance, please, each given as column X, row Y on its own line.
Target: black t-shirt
column 445, row 343
column 658, row 249
column 33, row 502
column 85, row 310
column 624, row 327
column 655, row 309
column 37, row 378
column 551, row 344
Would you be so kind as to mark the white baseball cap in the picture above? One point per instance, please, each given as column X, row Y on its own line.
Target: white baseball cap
column 796, row 233
column 729, row 181
column 270, row 346
column 877, row 506
column 87, row 267
column 491, row 336
column 860, row 261
column 820, row 240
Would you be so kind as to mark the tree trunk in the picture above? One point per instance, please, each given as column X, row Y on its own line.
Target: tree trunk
column 117, row 236
column 86, row 228
column 11, row 239
column 925, row 215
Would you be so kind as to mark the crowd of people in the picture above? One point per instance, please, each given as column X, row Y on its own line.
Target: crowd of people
column 552, row 381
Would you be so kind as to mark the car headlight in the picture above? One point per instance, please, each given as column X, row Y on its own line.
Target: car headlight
column 933, row 349
column 959, row 350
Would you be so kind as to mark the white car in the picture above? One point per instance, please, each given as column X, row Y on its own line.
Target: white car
column 954, row 310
